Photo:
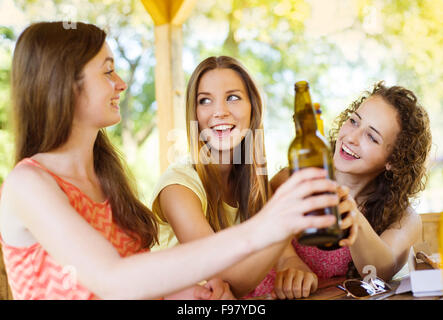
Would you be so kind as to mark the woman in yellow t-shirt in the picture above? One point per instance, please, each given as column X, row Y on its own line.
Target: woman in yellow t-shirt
column 224, row 181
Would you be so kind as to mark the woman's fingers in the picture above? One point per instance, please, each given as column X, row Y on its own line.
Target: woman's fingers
column 288, row 284
column 298, row 177
column 278, row 285
column 201, row 293
column 316, row 221
column 350, row 219
column 227, row 293
column 309, row 284
column 349, row 241
column 292, row 284
column 345, row 206
column 297, row 284
column 342, row 192
column 316, row 186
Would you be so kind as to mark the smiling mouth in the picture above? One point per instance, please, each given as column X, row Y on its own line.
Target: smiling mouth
column 223, row 129
column 348, row 153
column 115, row 102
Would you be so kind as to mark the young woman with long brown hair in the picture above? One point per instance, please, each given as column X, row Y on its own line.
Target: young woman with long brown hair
column 224, row 181
column 381, row 144
column 71, row 224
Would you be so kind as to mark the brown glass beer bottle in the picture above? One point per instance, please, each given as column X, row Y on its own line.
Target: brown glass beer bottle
column 310, row 149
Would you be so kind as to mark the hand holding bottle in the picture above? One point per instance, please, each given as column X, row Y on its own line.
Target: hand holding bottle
column 350, row 216
column 306, row 190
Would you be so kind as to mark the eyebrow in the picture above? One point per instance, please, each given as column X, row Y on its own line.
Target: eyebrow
column 371, row 127
column 108, row 59
column 229, row 91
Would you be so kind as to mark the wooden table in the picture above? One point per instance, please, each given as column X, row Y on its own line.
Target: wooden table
column 327, row 290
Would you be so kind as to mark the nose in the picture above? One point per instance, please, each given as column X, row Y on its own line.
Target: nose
column 120, row 85
column 221, row 109
column 353, row 137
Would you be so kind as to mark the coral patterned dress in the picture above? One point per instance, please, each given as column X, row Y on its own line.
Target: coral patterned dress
column 34, row 274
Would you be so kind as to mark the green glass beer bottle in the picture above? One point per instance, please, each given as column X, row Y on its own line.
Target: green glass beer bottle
column 310, row 149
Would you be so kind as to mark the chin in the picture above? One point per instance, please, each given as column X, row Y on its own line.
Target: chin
column 112, row 122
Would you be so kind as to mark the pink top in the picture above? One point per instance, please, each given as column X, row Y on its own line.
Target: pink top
column 34, row 274
column 325, row 264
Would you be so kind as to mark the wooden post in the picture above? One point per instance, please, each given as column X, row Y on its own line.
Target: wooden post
column 169, row 87
column 168, row 17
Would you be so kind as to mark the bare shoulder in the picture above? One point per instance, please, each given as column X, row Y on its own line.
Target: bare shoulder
column 24, row 179
column 411, row 217
column 410, row 220
column 28, row 184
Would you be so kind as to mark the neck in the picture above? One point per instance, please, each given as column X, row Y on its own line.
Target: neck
column 355, row 183
column 76, row 156
column 224, row 171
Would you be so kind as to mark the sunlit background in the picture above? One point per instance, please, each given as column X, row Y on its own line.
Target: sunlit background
column 342, row 47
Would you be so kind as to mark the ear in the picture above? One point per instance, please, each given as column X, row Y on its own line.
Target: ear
column 388, row 166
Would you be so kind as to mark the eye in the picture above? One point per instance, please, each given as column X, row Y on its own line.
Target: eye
column 233, row 97
column 204, row 101
column 352, row 121
column 371, row 137
column 110, row 72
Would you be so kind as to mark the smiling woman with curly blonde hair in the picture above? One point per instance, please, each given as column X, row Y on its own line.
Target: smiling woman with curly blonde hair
column 381, row 143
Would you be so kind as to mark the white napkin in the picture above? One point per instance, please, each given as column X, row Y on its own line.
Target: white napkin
column 426, row 283
column 405, row 285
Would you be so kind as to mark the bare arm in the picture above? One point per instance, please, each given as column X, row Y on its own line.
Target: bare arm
column 389, row 251
column 36, row 200
column 182, row 209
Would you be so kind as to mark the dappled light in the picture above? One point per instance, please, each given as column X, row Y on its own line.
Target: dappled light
column 341, row 47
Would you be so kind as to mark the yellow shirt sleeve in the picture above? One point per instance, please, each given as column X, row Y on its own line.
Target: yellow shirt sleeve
column 184, row 174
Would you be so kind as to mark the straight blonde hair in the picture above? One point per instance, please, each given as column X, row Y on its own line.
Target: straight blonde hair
column 249, row 178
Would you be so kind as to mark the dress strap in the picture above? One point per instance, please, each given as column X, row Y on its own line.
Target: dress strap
column 37, row 164
column 66, row 186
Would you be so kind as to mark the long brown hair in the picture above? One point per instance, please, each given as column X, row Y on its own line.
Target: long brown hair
column 47, row 70
column 249, row 178
column 392, row 190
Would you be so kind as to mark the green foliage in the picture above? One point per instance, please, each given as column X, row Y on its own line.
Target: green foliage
column 340, row 47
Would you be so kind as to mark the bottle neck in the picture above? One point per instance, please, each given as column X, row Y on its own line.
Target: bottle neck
column 304, row 115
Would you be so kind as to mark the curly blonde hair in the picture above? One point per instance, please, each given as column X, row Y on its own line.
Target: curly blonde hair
column 392, row 190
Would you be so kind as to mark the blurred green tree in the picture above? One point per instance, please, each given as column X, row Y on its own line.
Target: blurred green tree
column 131, row 37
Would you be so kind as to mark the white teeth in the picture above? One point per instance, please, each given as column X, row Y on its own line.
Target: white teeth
column 222, row 127
column 345, row 149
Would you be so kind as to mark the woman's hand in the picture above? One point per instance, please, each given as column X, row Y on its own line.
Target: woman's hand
column 305, row 191
column 347, row 208
column 293, row 283
column 219, row 290
column 214, row 289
